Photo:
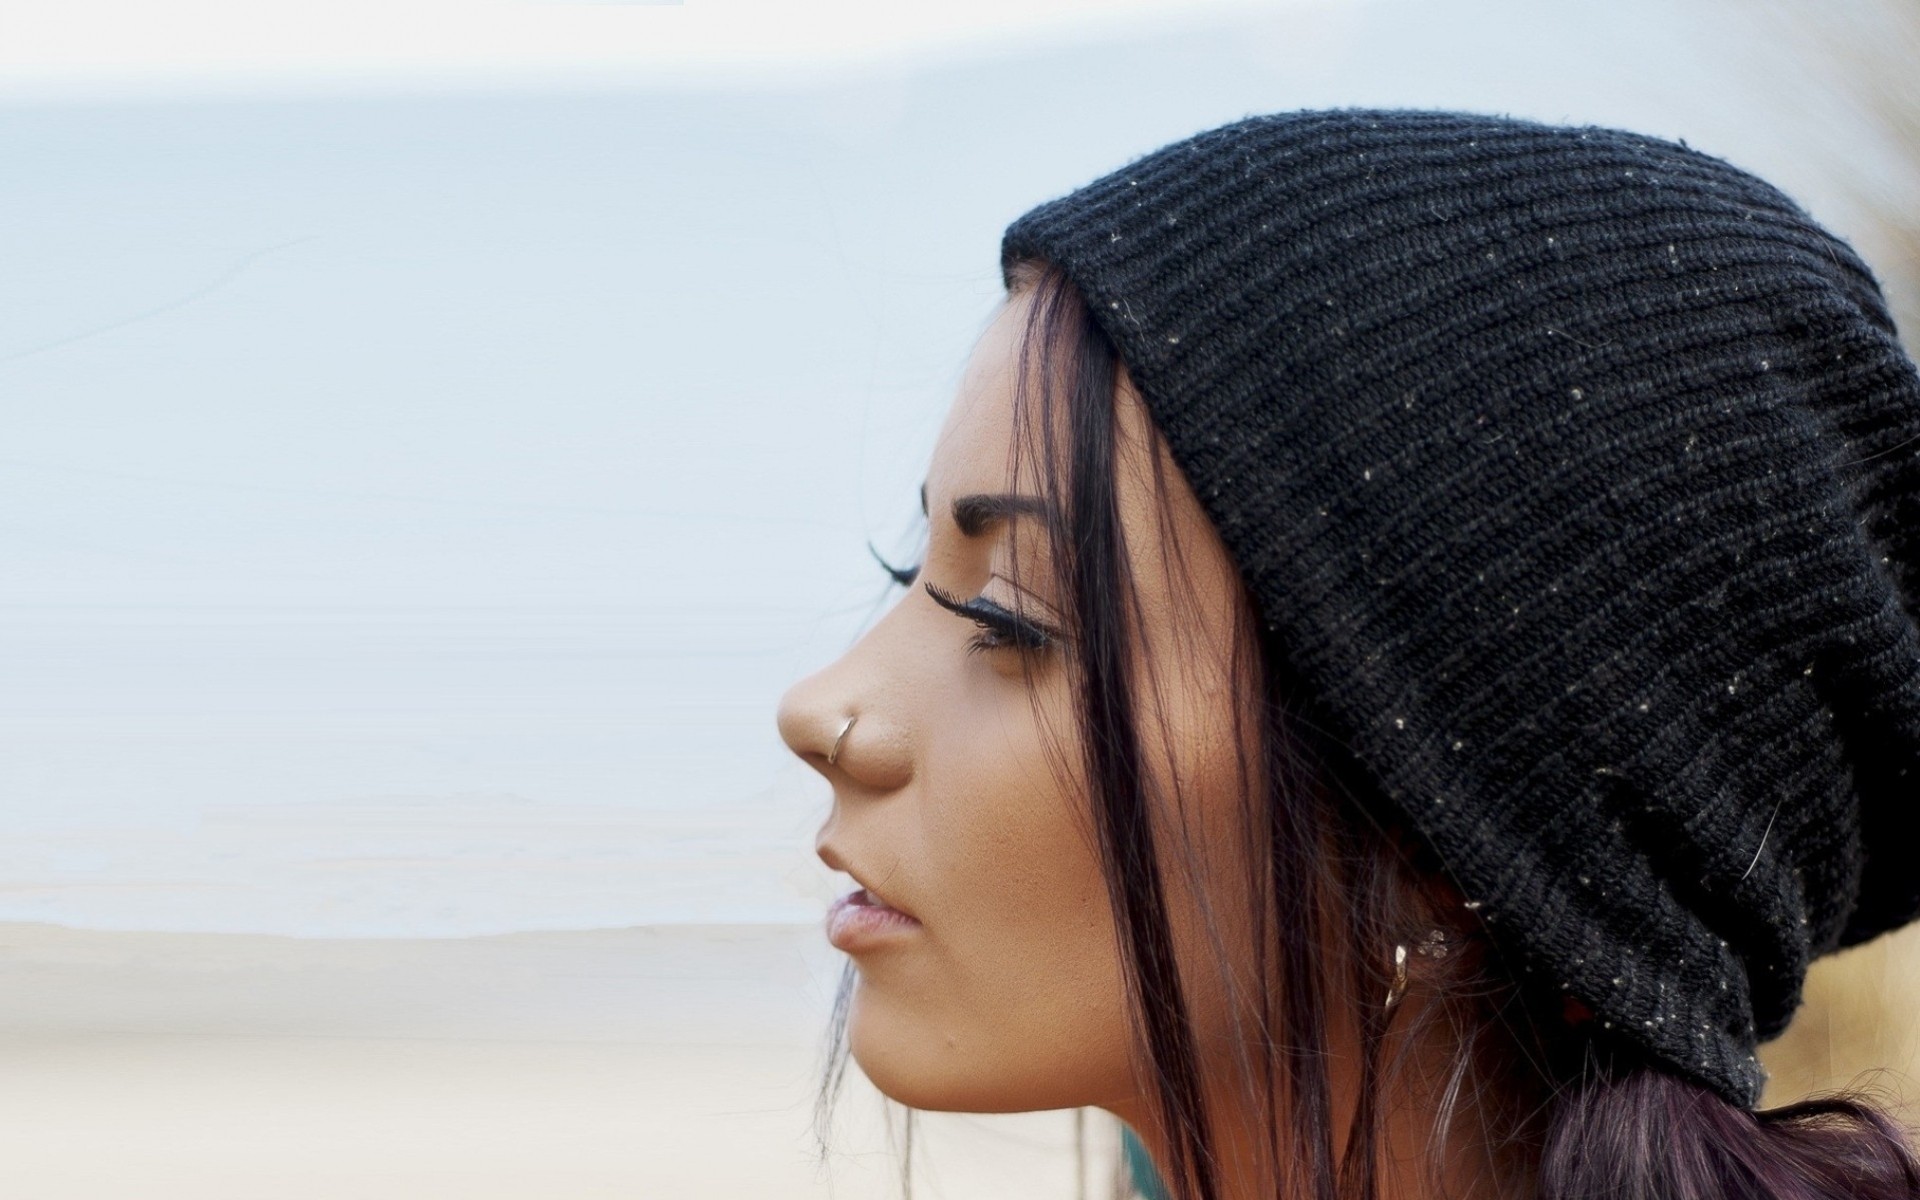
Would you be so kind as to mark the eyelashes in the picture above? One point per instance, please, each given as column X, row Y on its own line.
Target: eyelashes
column 1000, row 627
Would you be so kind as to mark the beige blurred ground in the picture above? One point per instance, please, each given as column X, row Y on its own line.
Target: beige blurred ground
column 675, row 1061
column 1858, row 1027
column 671, row 1062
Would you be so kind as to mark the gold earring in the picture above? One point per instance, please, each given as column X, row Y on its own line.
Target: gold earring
column 833, row 755
column 1399, row 987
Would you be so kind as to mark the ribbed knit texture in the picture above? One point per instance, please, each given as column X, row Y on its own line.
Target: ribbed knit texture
column 1577, row 473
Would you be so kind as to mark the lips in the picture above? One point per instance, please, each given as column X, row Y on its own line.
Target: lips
column 861, row 920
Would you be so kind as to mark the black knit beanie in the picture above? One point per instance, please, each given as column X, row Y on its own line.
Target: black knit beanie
column 1577, row 475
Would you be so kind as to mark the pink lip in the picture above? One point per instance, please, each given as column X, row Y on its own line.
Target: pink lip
column 860, row 920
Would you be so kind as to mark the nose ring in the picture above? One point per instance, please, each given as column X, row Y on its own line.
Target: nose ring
column 833, row 755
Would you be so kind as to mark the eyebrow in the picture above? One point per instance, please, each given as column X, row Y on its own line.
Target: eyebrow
column 977, row 513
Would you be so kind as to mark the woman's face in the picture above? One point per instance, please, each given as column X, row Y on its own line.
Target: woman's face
column 957, row 798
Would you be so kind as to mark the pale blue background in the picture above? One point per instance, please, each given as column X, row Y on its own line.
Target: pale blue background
column 412, row 506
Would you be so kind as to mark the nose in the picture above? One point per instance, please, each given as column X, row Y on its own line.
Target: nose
column 871, row 755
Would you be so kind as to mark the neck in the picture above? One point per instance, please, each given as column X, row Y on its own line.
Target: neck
column 1256, row 1155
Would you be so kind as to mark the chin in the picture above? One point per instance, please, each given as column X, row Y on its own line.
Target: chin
column 922, row 1063
column 913, row 1064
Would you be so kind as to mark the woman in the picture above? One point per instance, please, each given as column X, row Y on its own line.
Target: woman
column 1416, row 650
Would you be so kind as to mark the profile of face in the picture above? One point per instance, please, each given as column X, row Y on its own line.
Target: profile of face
column 989, row 976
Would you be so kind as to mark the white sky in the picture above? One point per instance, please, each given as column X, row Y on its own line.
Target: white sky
column 116, row 48
column 432, row 435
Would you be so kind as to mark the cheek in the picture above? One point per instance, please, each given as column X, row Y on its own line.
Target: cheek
column 1211, row 843
column 1013, row 999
